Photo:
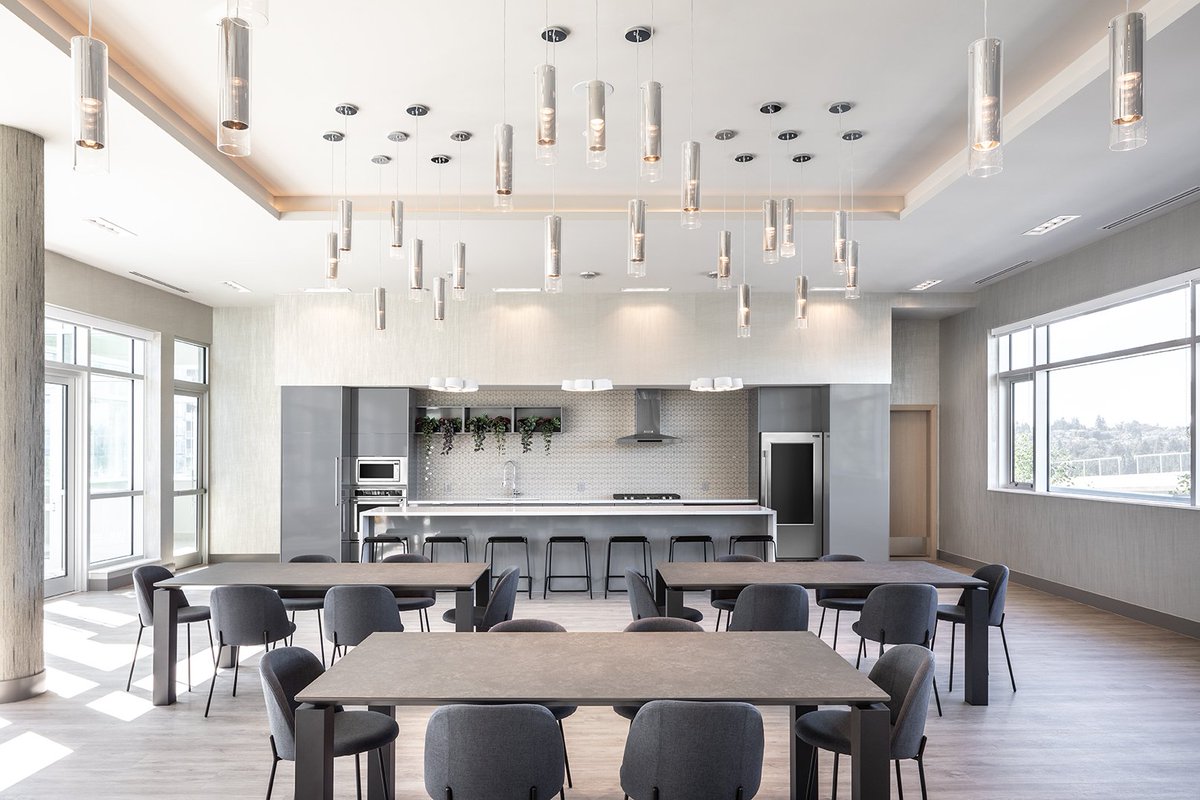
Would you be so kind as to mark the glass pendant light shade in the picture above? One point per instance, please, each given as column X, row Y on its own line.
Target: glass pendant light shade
column 89, row 111
column 553, row 261
column 787, row 242
column 852, row 292
column 255, row 13
column 345, row 224
column 504, row 166
column 331, row 256
column 985, row 108
column 802, row 302
column 724, row 259
column 770, row 232
column 396, row 249
column 233, row 121
column 650, row 131
column 839, row 242
column 1126, row 45
column 637, row 239
column 546, row 119
column 380, row 308
column 597, row 149
column 743, row 311
column 690, row 185
column 439, row 300
column 458, row 263
column 416, row 270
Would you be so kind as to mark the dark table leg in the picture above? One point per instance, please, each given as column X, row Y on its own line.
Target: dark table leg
column 464, row 611
column 869, row 749
column 483, row 588
column 660, row 590
column 314, row 753
column 975, row 648
column 674, row 603
column 166, row 620
column 228, row 658
column 804, row 757
column 374, row 784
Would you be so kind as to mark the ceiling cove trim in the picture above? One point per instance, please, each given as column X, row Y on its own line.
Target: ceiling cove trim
column 138, row 89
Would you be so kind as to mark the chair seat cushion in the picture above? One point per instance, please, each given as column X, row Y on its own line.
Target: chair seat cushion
column 414, row 603
column 828, row 729
column 628, row 712
column 360, row 731
column 451, row 615
column 952, row 613
column 689, row 613
column 842, row 603
column 194, row 614
column 562, row 712
column 303, row 603
column 724, row 604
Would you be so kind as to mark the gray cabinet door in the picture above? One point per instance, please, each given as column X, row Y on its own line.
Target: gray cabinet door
column 379, row 422
column 857, row 470
column 312, row 473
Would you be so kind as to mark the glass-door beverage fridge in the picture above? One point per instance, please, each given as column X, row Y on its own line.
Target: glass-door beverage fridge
column 791, row 481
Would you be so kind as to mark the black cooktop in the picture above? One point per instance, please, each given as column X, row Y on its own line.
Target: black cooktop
column 645, row 496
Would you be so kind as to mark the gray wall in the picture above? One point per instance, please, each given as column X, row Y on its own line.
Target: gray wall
column 1140, row 555
column 915, row 367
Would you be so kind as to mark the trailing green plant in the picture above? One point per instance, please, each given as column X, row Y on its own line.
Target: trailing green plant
column 548, row 426
column 479, row 427
column 426, row 427
column 448, row 427
column 500, row 432
column 527, row 426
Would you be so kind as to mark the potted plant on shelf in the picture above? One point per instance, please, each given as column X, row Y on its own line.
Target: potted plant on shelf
column 500, row 427
column 426, row 427
column 527, row 426
column 448, row 427
column 479, row 427
column 548, row 426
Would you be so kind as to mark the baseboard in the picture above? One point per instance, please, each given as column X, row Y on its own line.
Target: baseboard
column 1187, row 627
column 218, row 558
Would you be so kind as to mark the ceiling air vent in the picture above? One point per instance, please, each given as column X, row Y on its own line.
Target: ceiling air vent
column 1004, row 272
column 170, row 286
column 1151, row 209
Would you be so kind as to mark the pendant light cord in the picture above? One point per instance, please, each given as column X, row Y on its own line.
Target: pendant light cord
column 346, row 156
column 504, row 62
column 744, row 206
column 850, row 226
column 652, row 34
column 333, row 220
column 800, row 224
column 90, row 18
column 381, row 226
column 416, row 173
column 985, row 15
column 637, row 109
column 725, row 193
column 692, row 69
column 596, row 5
column 460, row 191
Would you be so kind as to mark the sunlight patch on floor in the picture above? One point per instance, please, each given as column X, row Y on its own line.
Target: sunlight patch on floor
column 121, row 705
column 75, row 644
column 96, row 616
column 66, row 685
column 25, row 755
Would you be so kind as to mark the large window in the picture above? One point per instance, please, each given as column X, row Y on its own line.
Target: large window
column 1101, row 401
column 191, row 392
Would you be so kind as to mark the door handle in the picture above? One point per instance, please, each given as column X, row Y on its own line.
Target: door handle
column 337, row 481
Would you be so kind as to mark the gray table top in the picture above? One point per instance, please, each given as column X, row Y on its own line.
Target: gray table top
column 765, row 668
column 442, row 575
column 694, row 575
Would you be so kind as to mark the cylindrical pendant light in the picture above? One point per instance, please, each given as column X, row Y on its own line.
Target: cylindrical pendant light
column 985, row 108
column 345, row 224
column 650, row 131
column 690, row 185
column 597, row 148
column 553, row 257
column 380, row 308
column 724, row 259
column 256, row 13
column 743, row 311
column 546, row 119
column 1126, row 45
column 770, row 238
column 396, row 249
column 458, row 263
column 839, row 241
column 416, row 270
column 802, row 302
column 787, row 242
column 233, row 121
column 439, row 300
column 89, row 109
column 852, row 292
column 637, row 238
column 504, row 166
column 331, row 256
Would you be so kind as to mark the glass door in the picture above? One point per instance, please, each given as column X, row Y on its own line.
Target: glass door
column 189, row 489
column 60, row 551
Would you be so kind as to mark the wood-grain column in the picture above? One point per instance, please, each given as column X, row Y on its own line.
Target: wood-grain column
column 22, row 411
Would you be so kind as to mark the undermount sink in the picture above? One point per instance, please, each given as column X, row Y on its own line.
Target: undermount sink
column 518, row 499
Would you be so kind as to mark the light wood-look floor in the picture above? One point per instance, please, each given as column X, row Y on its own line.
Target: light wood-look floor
column 1106, row 708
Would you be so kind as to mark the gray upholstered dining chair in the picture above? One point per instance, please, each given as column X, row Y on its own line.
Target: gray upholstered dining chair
column 899, row 613
column 839, row 599
column 560, row 712
column 641, row 600
column 500, row 752
column 287, row 670
column 655, row 625
column 500, row 605
column 723, row 600
column 418, row 600
column 144, row 578
column 698, row 751
column 307, row 599
column 246, row 616
column 906, row 673
column 771, row 607
column 352, row 613
column 996, row 576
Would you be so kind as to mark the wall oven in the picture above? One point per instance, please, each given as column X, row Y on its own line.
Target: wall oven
column 377, row 471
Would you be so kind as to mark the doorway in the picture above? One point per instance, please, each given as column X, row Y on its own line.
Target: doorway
column 60, row 553
column 914, row 487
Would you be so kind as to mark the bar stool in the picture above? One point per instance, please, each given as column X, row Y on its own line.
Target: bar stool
column 489, row 555
column 647, row 560
column 433, row 541
column 587, row 561
column 371, row 545
column 704, row 541
column 767, row 542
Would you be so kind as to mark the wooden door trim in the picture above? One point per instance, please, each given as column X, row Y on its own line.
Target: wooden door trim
column 935, row 530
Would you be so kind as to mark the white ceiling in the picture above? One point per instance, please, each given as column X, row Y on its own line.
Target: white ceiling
column 902, row 64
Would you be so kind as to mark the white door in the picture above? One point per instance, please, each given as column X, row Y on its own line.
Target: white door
column 60, row 553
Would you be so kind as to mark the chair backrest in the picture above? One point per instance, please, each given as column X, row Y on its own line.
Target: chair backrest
column 899, row 613
column 527, row 626
column 771, row 607
column 850, row 594
column 410, row 558
column 352, row 613
column 247, row 615
column 284, row 672
column 493, row 752
column 503, row 600
column 144, row 578
column 312, row 558
column 641, row 601
column 996, row 576
column 663, row 625
column 731, row 594
column 693, row 750
column 906, row 673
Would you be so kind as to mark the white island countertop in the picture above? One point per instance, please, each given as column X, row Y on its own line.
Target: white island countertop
column 606, row 508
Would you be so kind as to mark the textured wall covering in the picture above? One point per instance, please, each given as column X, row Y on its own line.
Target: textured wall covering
column 1141, row 555
column 22, row 409
column 915, row 365
column 585, row 462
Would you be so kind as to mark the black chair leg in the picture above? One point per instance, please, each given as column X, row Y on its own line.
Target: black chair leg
column 213, row 683
column 837, row 623
column 953, row 628
column 211, row 651
column 821, row 627
column 189, row 655
column 358, row 774
column 835, row 767
column 921, row 768
column 937, row 698
column 862, row 646
column 321, row 636
column 129, row 680
column 235, row 676
column 809, row 788
column 718, row 628
column 566, row 758
column 383, row 774
column 899, row 781
column 274, row 765
column 1004, row 641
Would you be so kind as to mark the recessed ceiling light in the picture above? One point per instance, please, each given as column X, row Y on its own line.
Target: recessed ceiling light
column 327, row 290
column 110, row 226
column 923, row 285
column 646, row 289
column 517, row 290
column 838, row 289
column 1050, row 224
column 589, row 275
column 237, row 287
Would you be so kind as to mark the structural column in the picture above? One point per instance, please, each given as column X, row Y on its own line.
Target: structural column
column 22, row 412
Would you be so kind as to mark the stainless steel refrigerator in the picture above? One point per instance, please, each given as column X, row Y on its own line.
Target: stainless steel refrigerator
column 791, row 481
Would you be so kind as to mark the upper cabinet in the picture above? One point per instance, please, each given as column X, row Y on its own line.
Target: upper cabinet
column 379, row 420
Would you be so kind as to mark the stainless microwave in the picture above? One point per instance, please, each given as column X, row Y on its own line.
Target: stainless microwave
column 368, row 471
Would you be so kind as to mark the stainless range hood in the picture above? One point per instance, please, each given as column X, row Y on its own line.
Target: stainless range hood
column 648, row 408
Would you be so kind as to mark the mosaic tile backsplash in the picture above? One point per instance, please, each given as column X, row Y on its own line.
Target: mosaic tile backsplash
column 585, row 462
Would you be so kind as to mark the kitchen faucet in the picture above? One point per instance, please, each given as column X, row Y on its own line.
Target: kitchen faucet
column 508, row 484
